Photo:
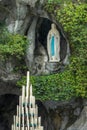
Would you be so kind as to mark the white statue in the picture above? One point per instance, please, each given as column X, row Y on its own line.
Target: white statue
column 53, row 44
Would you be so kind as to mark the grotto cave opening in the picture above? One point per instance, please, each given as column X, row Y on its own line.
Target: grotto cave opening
column 41, row 64
column 42, row 29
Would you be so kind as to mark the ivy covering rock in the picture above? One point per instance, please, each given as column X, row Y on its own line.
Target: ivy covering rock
column 72, row 82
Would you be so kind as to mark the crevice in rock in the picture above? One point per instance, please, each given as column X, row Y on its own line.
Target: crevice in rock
column 28, row 25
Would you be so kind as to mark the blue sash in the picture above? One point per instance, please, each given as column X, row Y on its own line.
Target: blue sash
column 52, row 46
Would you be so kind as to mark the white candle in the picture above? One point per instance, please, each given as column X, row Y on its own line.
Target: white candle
column 20, row 100
column 31, row 90
column 20, row 111
column 14, row 123
column 23, row 95
column 31, row 111
column 27, row 114
column 39, row 121
column 31, row 102
column 26, row 100
column 36, row 111
column 23, row 117
column 32, row 122
column 31, row 128
column 27, row 86
column 28, row 78
column 35, row 121
column 19, row 119
column 17, row 110
column 12, row 127
column 26, row 128
column 40, row 128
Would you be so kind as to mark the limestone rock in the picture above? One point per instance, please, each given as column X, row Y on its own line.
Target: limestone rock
column 81, row 123
column 8, row 78
column 28, row 17
column 31, row 2
column 40, row 60
column 31, row 46
column 65, row 113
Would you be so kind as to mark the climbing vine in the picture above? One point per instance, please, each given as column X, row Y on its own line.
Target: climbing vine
column 62, row 86
column 12, row 46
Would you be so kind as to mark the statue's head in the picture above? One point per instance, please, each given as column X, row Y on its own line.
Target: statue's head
column 53, row 26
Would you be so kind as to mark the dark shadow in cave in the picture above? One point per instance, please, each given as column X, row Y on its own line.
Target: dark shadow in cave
column 8, row 104
column 42, row 29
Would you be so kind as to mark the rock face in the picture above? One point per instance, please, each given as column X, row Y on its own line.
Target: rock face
column 29, row 18
column 81, row 123
column 64, row 114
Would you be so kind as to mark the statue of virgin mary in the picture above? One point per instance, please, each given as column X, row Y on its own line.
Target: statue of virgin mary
column 53, row 44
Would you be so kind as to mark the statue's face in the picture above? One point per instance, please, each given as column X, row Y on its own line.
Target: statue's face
column 53, row 26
